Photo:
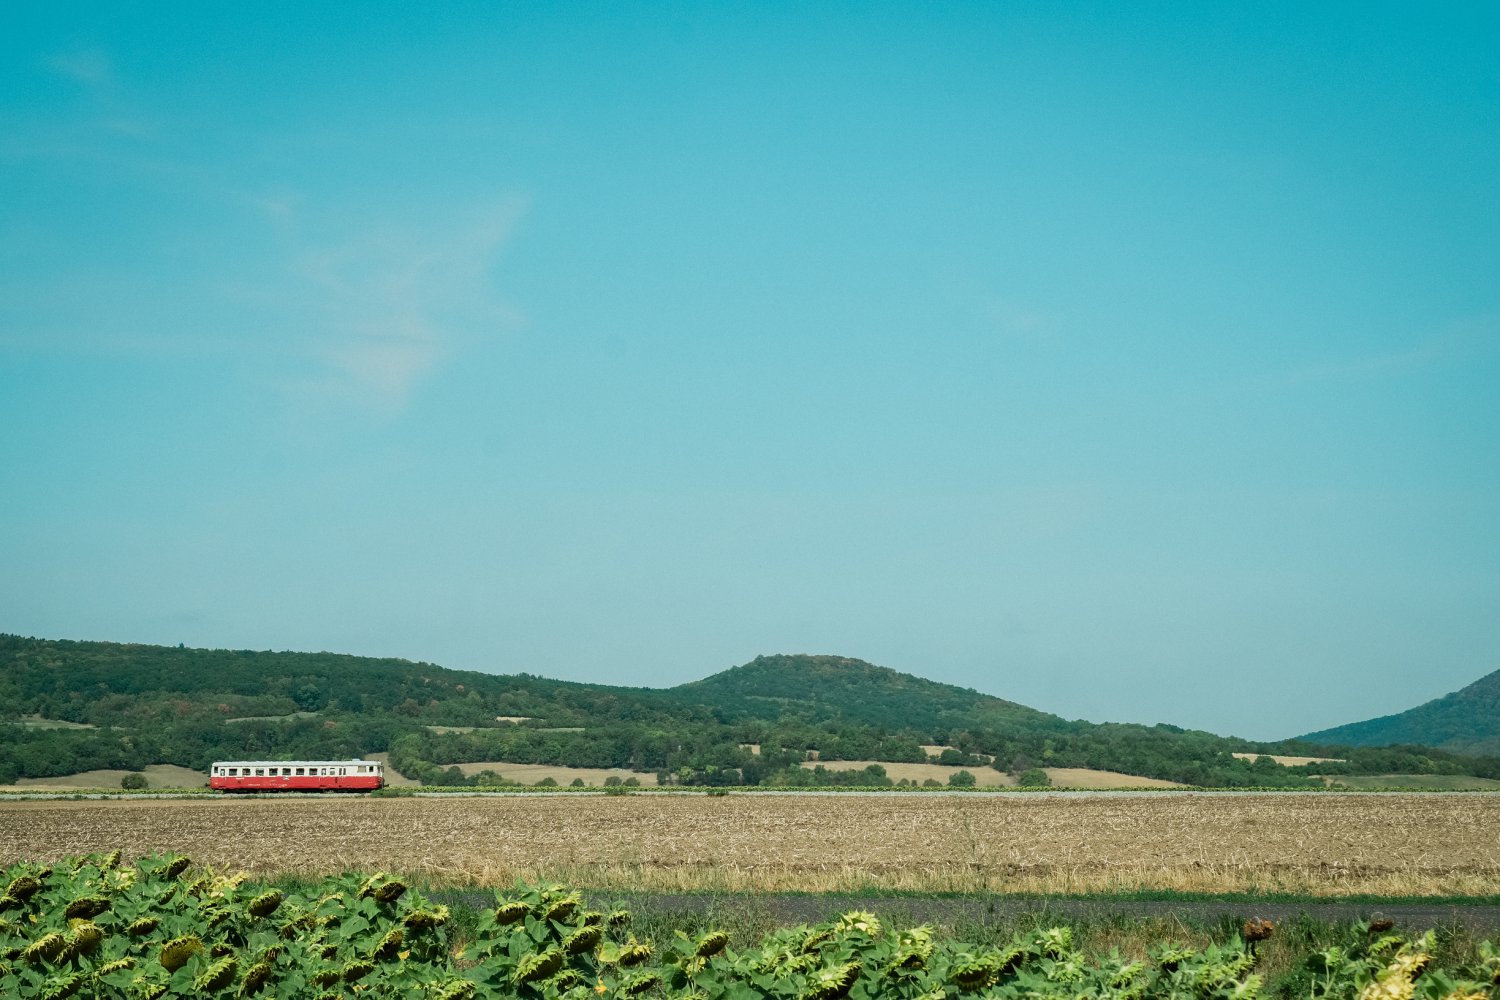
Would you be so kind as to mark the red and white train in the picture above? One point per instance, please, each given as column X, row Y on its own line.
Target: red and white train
column 296, row 775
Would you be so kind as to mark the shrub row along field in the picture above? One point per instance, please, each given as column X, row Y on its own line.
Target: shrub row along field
column 1322, row 844
column 162, row 928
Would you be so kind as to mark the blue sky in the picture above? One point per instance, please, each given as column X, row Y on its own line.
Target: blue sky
column 1132, row 361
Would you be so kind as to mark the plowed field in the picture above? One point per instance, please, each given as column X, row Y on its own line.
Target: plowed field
column 1327, row 844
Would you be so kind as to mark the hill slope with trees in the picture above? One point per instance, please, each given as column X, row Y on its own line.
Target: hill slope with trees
column 1466, row 721
column 70, row 706
column 840, row 689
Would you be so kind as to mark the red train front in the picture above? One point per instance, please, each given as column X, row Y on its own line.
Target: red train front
column 296, row 775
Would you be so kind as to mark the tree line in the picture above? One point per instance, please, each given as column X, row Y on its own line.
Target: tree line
column 752, row 725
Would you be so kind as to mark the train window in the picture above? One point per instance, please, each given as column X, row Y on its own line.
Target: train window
column 286, row 772
column 260, row 771
column 300, row 771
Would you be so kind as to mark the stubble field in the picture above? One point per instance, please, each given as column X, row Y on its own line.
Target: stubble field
column 1321, row 844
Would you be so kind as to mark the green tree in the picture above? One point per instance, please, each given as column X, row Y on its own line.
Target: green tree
column 309, row 698
column 1033, row 777
column 134, row 780
column 961, row 779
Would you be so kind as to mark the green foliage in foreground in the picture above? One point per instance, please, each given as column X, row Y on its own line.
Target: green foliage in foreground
column 93, row 927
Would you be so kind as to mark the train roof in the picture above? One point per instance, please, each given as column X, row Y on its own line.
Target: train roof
column 293, row 763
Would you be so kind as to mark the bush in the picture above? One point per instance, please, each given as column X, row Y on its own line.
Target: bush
column 136, row 780
column 1033, row 777
column 961, row 779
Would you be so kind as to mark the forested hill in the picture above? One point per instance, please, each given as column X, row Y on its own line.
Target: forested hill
column 840, row 689
column 74, row 706
column 1466, row 721
column 107, row 683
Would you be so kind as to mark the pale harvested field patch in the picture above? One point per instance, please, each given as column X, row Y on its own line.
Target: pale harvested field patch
column 1087, row 777
column 1328, row 844
column 39, row 722
column 984, row 777
column 157, row 776
column 1287, row 761
column 530, row 774
column 988, row 777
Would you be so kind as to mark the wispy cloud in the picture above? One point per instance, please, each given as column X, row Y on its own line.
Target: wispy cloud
column 106, row 105
column 90, row 67
column 1460, row 340
column 1023, row 322
column 280, row 207
column 380, row 309
column 340, row 303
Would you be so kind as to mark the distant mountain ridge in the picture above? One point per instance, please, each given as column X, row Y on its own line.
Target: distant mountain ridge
column 1465, row 721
